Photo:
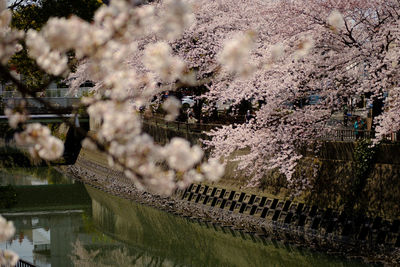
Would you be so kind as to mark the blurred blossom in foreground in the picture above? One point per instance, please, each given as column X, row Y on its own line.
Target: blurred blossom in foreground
column 171, row 106
column 42, row 143
column 15, row 117
column 335, row 20
column 7, row 258
column 236, row 54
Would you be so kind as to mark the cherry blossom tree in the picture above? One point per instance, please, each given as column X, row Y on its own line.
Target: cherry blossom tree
column 281, row 52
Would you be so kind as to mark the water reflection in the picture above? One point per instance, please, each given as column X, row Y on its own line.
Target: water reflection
column 171, row 239
column 115, row 232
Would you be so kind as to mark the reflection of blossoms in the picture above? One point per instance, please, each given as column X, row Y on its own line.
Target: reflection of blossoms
column 7, row 229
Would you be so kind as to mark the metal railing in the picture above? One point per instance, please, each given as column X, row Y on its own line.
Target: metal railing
column 348, row 134
column 54, row 93
column 333, row 134
column 181, row 126
column 22, row 263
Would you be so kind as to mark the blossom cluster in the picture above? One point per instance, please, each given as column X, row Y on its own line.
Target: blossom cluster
column 9, row 37
column 40, row 141
column 7, row 230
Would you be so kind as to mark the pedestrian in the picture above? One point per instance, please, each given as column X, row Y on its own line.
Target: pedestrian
column 359, row 127
column 249, row 116
column 191, row 119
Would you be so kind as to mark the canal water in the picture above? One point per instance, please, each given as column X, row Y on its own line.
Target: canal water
column 63, row 223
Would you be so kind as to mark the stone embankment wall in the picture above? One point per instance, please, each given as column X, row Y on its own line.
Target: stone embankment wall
column 297, row 217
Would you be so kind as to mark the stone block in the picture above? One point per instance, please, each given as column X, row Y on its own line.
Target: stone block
column 209, row 191
column 302, row 220
column 258, row 211
column 219, row 192
column 271, row 204
column 237, row 207
column 270, row 214
column 257, row 200
column 288, row 218
column 236, row 196
column 279, row 206
column 195, row 188
column 247, row 209
column 228, row 204
column 264, row 212
column 218, row 203
column 276, row 215
column 253, row 210
column 300, row 208
column 249, row 199
column 229, row 195
column 287, row 205
column 203, row 189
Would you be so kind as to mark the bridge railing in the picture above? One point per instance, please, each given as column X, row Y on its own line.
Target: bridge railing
column 23, row 263
column 54, row 93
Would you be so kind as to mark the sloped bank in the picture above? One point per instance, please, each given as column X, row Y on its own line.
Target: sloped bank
column 293, row 222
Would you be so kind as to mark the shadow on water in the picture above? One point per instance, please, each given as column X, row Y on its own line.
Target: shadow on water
column 98, row 229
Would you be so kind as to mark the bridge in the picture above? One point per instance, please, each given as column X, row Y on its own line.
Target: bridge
column 59, row 97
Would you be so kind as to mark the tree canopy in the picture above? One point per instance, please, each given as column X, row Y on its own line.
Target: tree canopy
column 34, row 15
column 282, row 52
